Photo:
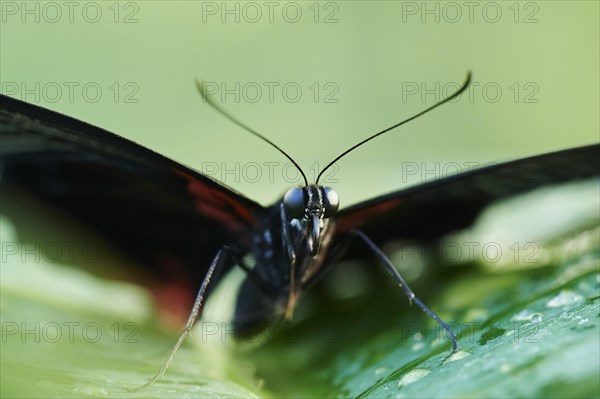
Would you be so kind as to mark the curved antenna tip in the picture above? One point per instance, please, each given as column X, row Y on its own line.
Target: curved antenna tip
column 469, row 77
column 445, row 100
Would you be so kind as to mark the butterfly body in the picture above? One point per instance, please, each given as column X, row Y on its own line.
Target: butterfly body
column 285, row 256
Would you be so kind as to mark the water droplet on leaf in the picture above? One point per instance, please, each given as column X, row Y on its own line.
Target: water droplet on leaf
column 536, row 318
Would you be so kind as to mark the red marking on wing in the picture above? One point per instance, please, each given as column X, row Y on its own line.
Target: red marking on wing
column 174, row 301
column 358, row 217
column 216, row 204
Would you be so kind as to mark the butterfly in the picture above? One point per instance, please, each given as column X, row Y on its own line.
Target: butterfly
column 189, row 229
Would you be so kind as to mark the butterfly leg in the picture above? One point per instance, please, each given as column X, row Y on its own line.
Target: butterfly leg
column 409, row 293
column 264, row 285
column 224, row 255
column 287, row 235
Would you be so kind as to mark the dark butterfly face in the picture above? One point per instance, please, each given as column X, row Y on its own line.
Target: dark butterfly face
column 310, row 207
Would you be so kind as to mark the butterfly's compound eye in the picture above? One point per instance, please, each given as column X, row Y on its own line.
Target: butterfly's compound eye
column 294, row 203
column 331, row 202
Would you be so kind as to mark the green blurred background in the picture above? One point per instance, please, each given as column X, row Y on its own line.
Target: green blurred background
column 542, row 56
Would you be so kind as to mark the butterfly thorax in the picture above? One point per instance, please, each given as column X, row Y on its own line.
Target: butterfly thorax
column 287, row 252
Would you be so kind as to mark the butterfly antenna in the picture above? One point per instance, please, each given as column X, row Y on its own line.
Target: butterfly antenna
column 462, row 88
column 206, row 98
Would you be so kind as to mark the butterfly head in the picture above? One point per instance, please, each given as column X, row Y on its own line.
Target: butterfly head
column 310, row 205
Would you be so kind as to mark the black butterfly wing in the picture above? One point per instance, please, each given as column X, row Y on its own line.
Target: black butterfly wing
column 163, row 214
column 429, row 211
